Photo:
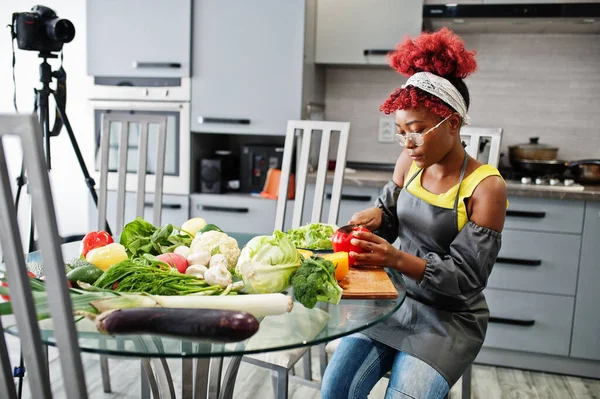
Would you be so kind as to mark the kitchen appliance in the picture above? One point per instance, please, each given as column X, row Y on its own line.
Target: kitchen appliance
column 177, row 152
column 518, row 178
column 219, row 174
column 256, row 160
column 517, row 17
column 539, row 161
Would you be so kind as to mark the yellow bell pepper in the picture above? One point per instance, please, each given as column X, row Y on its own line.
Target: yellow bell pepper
column 107, row 256
column 340, row 261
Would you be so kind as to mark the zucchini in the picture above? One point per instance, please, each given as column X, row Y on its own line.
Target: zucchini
column 87, row 274
column 212, row 325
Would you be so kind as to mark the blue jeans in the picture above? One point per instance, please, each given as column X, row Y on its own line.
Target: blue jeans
column 359, row 362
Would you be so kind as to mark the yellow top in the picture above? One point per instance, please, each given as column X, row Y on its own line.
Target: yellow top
column 446, row 200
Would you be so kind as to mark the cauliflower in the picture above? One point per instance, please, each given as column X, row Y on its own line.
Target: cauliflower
column 218, row 276
column 217, row 242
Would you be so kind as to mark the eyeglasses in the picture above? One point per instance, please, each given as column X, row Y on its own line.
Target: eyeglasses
column 417, row 138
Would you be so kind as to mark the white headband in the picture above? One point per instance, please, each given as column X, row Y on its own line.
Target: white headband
column 441, row 88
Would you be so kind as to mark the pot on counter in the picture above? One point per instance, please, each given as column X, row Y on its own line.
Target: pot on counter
column 531, row 151
column 586, row 171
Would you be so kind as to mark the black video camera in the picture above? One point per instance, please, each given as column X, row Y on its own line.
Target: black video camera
column 41, row 30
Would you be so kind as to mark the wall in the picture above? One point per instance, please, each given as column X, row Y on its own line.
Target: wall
column 69, row 189
column 529, row 85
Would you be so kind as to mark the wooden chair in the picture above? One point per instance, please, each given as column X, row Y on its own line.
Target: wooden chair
column 299, row 134
column 126, row 123
column 28, row 130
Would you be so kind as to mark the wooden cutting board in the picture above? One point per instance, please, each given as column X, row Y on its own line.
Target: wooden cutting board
column 363, row 283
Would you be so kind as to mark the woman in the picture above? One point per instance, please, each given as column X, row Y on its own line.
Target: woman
column 448, row 211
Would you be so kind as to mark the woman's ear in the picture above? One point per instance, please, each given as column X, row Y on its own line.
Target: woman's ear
column 454, row 122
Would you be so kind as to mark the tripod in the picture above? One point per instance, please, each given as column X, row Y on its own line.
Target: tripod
column 42, row 105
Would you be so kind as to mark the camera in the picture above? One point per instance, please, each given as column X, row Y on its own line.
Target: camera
column 41, row 30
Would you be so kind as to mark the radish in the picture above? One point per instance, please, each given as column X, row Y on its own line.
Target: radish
column 176, row 261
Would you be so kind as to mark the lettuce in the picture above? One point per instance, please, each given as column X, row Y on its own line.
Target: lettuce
column 315, row 236
column 267, row 264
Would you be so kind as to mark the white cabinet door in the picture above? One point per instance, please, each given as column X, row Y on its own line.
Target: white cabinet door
column 247, row 65
column 137, row 38
column 363, row 31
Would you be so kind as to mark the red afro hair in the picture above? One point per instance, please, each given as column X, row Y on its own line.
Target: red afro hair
column 442, row 53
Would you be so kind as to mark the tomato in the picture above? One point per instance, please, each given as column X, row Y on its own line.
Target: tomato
column 4, row 284
column 95, row 239
column 341, row 241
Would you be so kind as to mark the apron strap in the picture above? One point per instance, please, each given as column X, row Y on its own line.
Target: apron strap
column 462, row 175
column 413, row 177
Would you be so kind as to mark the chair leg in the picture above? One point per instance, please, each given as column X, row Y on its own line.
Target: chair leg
column 323, row 360
column 306, row 363
column 105, row 374
column 466, row 383
column 280, row 383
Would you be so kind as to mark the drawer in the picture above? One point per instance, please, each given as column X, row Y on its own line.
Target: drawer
column 529, row 322
column 537, row 262
column 235, row 213
column 563, row 216
column 353, row 199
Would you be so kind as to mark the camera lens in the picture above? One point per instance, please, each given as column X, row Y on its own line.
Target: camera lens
column 60, row 30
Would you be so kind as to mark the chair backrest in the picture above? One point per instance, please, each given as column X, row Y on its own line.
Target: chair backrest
column 127, row 122
column 29, row 131
column 299, row 135
column 475, row 136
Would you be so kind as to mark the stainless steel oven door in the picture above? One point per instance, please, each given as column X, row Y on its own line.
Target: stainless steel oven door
column 177, row 157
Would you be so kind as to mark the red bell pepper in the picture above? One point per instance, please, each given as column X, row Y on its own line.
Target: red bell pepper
column 340, row 241
column 95, row 239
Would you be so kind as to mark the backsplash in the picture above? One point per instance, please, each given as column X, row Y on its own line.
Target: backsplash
column 528, row 85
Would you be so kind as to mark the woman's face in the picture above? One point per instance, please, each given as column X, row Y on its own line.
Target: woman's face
column 436, row 143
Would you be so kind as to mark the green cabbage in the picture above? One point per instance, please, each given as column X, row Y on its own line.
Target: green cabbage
column 267, row 264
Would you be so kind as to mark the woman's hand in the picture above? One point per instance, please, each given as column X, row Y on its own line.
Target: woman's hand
column 369, row 218
column 378, row 252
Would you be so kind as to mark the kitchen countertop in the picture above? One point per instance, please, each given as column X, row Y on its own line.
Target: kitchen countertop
column 377, row 179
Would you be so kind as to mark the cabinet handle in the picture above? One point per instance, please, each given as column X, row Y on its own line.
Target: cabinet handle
column 517, row 261
column 526, row 214
column 375, row 52
column 225, row 121
column 351, row 197
column 170, row 65
column 224, row 209
column 164, row 206
column 512, row 322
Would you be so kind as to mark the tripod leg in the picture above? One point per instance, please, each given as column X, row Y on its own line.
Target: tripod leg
column 88, row 179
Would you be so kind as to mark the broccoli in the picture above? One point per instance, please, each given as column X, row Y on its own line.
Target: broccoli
column 315, row 282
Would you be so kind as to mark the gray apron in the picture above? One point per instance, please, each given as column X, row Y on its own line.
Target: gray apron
column 444, row 317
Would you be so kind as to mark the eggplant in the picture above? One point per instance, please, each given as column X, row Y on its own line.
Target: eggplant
column 213, row 325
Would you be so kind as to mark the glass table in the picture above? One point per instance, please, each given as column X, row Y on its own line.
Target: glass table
column 301, row 327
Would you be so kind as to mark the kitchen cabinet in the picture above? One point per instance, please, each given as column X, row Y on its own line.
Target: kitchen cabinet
column 361, row 32
column 175, row 210
column 354, row 199
column 136, row 38
column 251, row 65
column 237, row 213
column 586, row 325
column 532, row 289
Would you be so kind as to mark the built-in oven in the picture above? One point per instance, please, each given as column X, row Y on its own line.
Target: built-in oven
column 177, row 150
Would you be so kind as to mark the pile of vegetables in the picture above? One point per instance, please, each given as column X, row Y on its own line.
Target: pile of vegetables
column 214, row 318
column 193, row 269
column 315, row 236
